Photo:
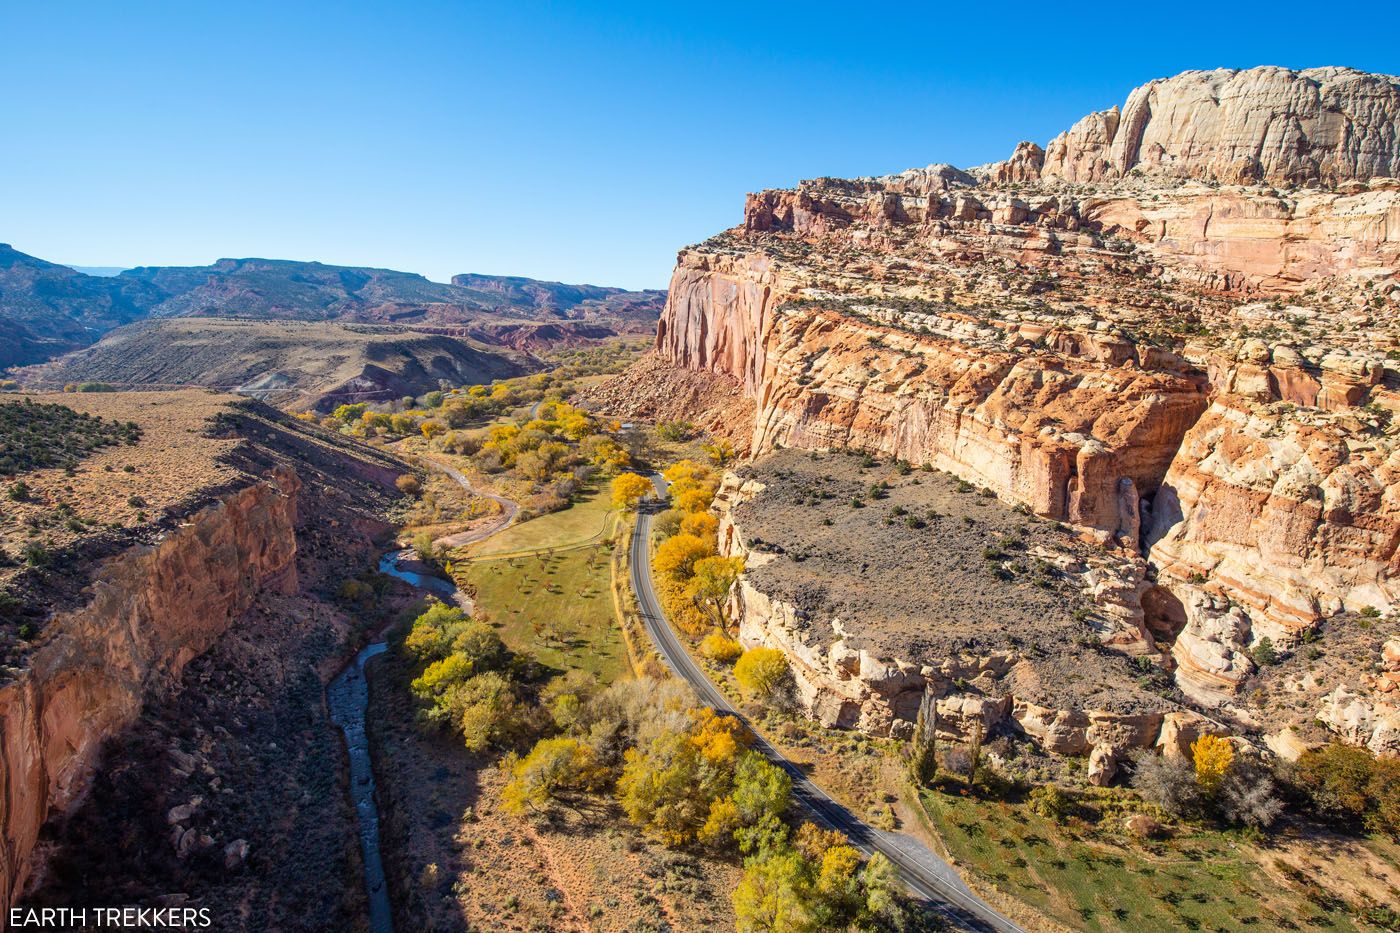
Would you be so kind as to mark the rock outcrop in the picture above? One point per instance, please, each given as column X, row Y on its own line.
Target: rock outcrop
column 152, row 609
column 995, row 651
column 1175, row 328
column 1284, row 127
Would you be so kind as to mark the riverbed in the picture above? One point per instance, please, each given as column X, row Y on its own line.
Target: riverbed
column 348, row 699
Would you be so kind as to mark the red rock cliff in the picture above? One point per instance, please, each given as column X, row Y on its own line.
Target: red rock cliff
column 1132, row 330
column 152, row 610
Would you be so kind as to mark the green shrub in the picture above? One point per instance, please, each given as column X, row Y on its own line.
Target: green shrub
column 35, row 436
column 1353, row 784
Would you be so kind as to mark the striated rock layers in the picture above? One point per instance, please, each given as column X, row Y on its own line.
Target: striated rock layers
column 873, row 614
column 1320, row 125
column 1057, row 433
column 1176, row 328
column 152, row 609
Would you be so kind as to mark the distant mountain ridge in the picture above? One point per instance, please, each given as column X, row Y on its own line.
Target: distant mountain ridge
column 104, row 272
column 47, row 309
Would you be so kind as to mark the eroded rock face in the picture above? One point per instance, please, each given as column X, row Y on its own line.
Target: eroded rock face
column 851, row 671
column 1174, row 327
column 1285, row 127
column 1057, row 435
column 152, row 610
column 1292, row 515
column 1368, row 712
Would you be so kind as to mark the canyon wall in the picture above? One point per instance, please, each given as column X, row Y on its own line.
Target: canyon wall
column 1061, row 435
column 1319, row 125
column 1176, row 328
column 152, row 609
column 1270, row 518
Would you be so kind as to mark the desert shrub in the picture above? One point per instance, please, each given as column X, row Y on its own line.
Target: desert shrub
column 1264, row 654
column 720, row 648
column 1051, row 802
column 35, row 436
column 35, row 554
column 720, row 451
column 459, row 442
column 423, row 545
column 355, row 591
column 1352, row 784
column 1170, row 783
column 408, row 484
column 675, row 430
column 762, row 672
column 1248, row 795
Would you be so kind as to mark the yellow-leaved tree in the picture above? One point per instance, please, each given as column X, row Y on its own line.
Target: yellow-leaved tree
column 1212, row 756
column 677, row 555
column 761, row 672
column 628, row 489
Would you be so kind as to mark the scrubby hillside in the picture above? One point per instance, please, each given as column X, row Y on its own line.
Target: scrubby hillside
column 292, row 364
column 48, row 309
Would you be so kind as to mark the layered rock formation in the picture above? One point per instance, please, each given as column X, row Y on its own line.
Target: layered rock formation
column 152, row 610
column 188, row 625
column 1319, row 125
column 1174, row 327
column 874, row 614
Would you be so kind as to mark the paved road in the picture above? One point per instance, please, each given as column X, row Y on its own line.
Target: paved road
column 926, row 875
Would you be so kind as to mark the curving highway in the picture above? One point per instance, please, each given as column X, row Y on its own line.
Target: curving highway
column 926, row 875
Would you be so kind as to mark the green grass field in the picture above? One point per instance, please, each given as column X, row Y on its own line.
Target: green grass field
column 584, row 522
column 1093, row 879
column 556, row 607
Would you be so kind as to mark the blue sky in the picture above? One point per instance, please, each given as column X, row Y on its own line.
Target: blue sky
column 570, row 141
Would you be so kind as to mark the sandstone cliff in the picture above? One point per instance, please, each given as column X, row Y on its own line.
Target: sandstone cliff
column 874, row 614
column 1174, row 328
column 152, row 610
column 1319, row 125
column 221, row 522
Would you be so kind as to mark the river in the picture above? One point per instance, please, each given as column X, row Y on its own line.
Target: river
column 348, row 699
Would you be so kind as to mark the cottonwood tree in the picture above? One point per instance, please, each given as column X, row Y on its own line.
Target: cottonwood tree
column 923, row 754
